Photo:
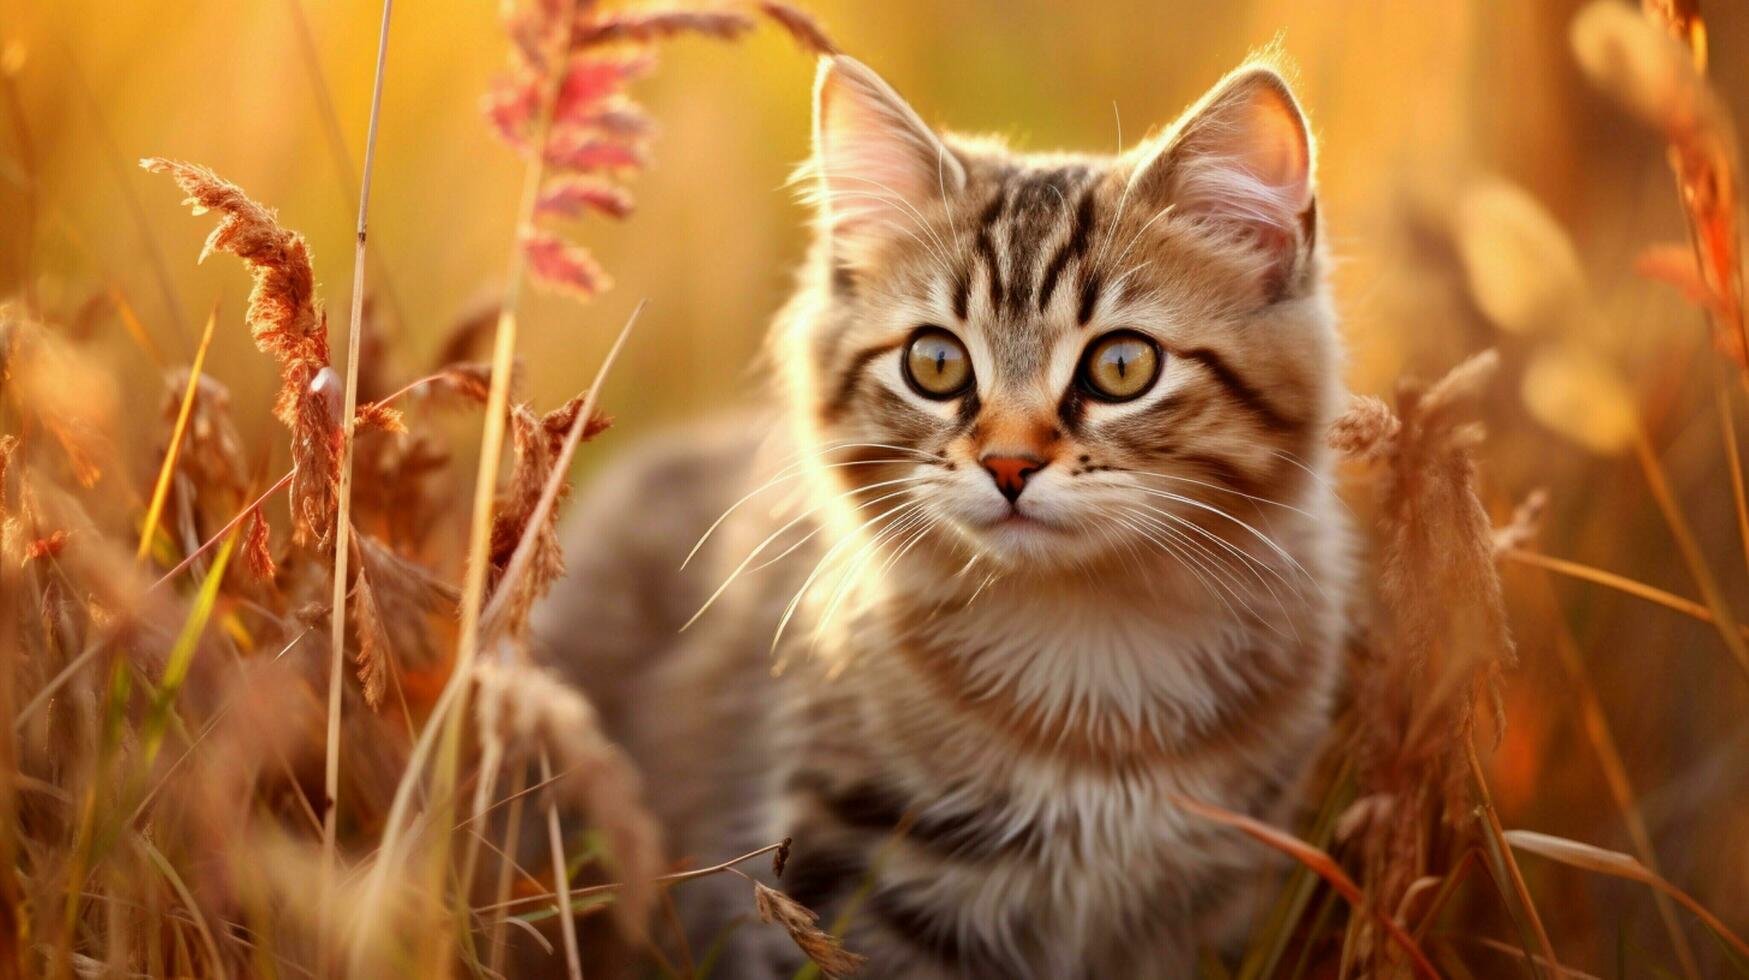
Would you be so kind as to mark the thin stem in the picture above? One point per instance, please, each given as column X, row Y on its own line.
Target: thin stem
column 336, row 139
column 561, row 879
column 1621, row 583
column 668, row 879
column 231, row 525
column 519, row 561
column 1516, row 878
column 343, row 523
column 1723, row 619
column 1319, row 863
column 448, row 715
column 1615, row 775
column 1734, row 457
column 506, row 870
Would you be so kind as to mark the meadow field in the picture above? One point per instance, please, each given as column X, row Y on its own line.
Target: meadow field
column 278, row 494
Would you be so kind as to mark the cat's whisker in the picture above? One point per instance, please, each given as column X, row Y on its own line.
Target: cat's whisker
column 1223, row 489
column 851, row 569
column 796, row 600
column 940, row 249
column 1251, row 561
column 891, row 196
column 1248, row 562
column 790, row 472
column 1181, row 526
column 1137, row 237
column 1217, row 567
column 755, row 553
column 1218, row 512
column 852, row 576
column 1122, row 199
column 1322, row 479
column 982, row 586
column 941, row 186
column 1219, row 571
column 1187, row 562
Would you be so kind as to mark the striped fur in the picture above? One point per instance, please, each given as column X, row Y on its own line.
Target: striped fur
column 981, row 708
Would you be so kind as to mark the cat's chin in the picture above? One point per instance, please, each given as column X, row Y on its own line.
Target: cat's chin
column 1017, row 538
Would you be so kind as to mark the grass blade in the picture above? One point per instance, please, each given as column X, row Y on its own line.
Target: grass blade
column 1588, row 857
column 161, row 490
column 182, row 656
column 1723, row 619
column 1493, row 837
column 1320, row 863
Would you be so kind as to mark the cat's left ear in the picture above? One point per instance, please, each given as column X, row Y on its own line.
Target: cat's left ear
column 1241, row 159
column 876, row 161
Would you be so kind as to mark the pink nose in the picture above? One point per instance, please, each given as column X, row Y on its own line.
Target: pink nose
column 1012, row 472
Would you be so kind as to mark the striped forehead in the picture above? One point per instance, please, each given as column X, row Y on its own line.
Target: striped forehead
column 1028, row 243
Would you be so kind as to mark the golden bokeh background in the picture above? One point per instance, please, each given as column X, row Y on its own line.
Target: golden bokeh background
column 1418, row 107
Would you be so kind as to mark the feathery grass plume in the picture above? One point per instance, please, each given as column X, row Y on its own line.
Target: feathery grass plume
column 802, row 26
column 595, row 134
column 526, row 710
column 212, row 449
column 46, row 378
column 383, row 418
column 1440, row 639
column 287, row 321
column 1525, row 525
column 536, row 441
column 571, row 196
column 800, row 922
column 1659, row 80
column 656, row 25
column 391, row 599
column 258, row 545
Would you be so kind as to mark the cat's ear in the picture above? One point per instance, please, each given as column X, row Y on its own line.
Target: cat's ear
column 1241, row 159
column 875, row 160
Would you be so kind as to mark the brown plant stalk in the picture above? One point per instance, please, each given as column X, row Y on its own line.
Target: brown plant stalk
column 343, row 492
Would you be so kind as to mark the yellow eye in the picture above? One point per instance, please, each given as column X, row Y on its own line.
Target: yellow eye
column 1120, row 366
column 937, row 364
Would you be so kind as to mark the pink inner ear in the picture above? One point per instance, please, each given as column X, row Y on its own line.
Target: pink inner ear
column 865, row 152
column 1273, row 146
column 1246, row 157
column 878, row 162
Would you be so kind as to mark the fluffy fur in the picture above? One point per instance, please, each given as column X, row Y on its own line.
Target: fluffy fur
column 981, row 704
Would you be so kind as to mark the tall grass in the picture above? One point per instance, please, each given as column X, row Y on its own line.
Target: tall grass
column 196, row 785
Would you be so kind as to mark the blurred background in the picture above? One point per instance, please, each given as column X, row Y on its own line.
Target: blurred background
column 1437, row 122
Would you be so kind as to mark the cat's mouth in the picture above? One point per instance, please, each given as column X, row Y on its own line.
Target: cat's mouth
column 1017, row 521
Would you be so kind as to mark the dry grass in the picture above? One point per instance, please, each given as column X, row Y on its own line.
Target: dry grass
column 189, row 790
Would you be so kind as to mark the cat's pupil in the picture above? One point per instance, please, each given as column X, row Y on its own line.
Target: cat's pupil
column 940, row 361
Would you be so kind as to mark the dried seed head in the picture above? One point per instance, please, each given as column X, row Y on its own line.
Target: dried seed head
column 527, row 710
column 799, row 921
column 287, row 322
column 536, row 442
column 802, row 26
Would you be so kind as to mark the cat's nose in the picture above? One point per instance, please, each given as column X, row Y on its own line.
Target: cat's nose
column 1012, row 472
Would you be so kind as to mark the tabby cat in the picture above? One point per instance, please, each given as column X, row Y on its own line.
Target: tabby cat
column 1039, row 534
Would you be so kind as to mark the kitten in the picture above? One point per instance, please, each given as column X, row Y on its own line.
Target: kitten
column 1054, row 539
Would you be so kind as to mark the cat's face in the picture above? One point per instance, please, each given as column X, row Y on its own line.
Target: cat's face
column 1055, row 360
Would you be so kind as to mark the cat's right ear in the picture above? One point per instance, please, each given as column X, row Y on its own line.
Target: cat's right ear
column 875, row 160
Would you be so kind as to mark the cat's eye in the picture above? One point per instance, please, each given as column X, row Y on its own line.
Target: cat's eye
column 1120, row 366
column 936, row 364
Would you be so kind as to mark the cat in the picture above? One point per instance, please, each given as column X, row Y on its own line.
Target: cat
column 1038, row 532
